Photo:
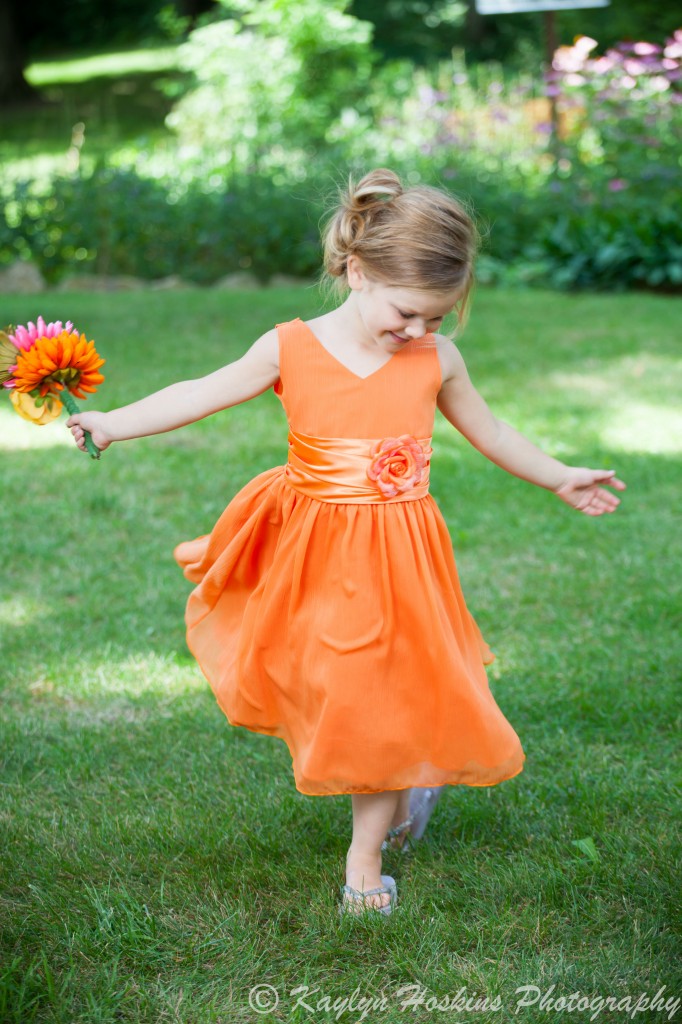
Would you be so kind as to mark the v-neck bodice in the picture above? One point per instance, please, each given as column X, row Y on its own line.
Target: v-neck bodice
column 340, row 363
column 321, row 396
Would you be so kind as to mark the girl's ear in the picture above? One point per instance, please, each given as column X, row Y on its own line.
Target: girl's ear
column 354, row 273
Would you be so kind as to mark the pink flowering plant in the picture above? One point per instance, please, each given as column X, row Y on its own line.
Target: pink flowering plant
column 630, row 96
column 616, row 184
column 627, row 105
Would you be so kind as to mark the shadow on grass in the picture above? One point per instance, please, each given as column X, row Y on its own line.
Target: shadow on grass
column 129, row 109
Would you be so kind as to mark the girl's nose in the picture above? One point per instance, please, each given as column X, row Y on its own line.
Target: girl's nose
column 416, row 329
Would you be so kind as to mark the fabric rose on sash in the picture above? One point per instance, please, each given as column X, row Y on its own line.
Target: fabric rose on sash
column 397, row 464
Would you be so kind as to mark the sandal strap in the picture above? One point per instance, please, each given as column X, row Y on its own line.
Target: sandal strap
column 347, row 890
column 402, row 827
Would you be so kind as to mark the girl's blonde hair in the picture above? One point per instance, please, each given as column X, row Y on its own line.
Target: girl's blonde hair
column 416, row 237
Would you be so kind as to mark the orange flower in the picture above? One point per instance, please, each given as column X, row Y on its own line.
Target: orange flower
column 26, row 406
column 397, row 464
column 65, row 361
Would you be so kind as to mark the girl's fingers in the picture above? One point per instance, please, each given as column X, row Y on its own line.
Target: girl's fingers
column 609, row 499
column 609, row 478
column 601, row 502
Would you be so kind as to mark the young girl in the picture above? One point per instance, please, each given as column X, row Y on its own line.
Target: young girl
column 327, row 608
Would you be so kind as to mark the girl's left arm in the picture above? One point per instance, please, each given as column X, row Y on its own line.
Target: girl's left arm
column 464, row 407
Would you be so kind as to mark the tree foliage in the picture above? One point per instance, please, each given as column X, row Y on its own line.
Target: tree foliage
column 278, row 75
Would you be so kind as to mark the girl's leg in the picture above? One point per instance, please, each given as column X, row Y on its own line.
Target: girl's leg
column 402, row 813
column 403, row 808
column 372, row 817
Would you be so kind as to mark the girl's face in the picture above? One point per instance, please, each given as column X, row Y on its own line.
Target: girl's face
column 393, row 316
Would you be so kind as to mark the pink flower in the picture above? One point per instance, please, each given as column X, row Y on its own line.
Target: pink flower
column 617, row 185
column 674, row 49
column 645, row 49
column 603, row 64
column 25, row 337
column 397, row 464
column 634, row 67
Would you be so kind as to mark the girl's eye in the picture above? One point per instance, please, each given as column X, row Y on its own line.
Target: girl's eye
column 408, row 316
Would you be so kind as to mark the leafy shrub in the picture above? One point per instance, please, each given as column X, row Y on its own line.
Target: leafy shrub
column 276, row 80
column 594, row 209
column 115, row 222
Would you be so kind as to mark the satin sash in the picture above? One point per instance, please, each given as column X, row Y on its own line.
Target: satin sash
column 334, row 469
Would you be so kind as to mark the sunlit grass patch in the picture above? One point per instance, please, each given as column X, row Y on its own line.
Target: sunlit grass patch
column 114, row 105
column 111, row 65
column 16, row 434
column 626, row 392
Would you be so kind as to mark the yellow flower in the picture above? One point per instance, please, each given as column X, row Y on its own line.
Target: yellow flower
column 26, row 406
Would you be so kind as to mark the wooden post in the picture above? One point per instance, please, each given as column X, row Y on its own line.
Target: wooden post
column 550, row 47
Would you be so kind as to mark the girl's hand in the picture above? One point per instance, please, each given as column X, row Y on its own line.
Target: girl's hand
column 580, row 489
column 94, row 422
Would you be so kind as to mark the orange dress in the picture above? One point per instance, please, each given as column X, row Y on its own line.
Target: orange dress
column 328, row 611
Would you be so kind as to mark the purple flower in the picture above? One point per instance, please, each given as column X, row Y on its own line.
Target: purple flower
column 617, row 185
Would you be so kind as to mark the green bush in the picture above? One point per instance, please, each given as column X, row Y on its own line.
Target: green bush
column 277, row 80
column 597, row 213
column 115, row 222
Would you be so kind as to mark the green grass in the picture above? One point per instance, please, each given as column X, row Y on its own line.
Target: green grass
column 84, row 67
column 158, row 863
column 120, row 99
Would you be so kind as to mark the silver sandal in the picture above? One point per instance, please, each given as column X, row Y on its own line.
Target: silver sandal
column 350, row 898
column 422, row 802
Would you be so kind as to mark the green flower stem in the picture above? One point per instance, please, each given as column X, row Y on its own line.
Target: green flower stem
column 67, row 399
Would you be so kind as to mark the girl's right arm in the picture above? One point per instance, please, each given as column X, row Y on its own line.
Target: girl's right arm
column 184, row 402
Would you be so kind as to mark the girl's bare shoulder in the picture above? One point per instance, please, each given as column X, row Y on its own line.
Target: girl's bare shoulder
column 451, row 362
column 265, row 349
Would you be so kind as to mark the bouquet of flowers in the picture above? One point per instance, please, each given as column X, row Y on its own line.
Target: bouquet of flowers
column 43, row 366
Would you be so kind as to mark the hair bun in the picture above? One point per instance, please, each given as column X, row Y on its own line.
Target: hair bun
column 359, row 206
column 374, row 189
column 358, row 209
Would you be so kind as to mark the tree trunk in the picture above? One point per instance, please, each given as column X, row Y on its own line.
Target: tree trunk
column 13, row 85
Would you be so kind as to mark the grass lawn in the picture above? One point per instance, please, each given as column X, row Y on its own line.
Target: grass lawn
column 157, row 863
column 113, row 104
